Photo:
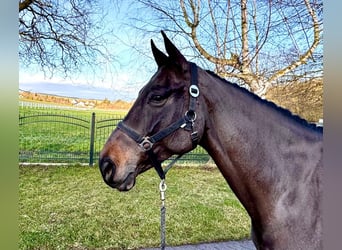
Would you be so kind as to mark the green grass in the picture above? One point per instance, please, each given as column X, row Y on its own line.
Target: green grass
column 72, row 208
column 47, row 135
column 56, row 138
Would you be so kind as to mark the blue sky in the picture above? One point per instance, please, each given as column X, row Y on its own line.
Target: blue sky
column 123, row 82
column 132, row 69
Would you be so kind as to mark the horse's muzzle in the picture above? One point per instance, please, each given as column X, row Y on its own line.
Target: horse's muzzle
column 108, row 170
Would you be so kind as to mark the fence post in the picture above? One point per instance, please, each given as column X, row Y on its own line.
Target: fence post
column 92, row 136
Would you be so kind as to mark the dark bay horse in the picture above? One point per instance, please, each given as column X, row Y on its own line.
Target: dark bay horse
column 271, row 159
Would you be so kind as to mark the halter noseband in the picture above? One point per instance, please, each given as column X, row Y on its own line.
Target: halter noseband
column 186, row 122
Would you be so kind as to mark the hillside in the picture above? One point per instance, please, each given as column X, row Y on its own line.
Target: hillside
column 76, row 102
column 303, row 99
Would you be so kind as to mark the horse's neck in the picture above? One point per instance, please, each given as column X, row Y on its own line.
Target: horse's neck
column 226, row 140
column 238, row 142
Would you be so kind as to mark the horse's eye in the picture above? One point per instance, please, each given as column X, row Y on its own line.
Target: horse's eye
column 157, row 98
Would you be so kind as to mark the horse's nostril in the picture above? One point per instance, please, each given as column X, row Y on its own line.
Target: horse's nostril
column 107, row 168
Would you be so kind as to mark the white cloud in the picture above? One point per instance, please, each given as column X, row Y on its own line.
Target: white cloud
column 124, row 85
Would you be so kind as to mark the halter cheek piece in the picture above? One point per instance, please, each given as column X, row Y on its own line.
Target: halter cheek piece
column 186, row 123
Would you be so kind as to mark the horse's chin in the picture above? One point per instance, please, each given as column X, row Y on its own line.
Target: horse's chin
column 127, row 184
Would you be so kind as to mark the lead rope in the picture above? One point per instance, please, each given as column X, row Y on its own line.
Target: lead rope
column 162, row 189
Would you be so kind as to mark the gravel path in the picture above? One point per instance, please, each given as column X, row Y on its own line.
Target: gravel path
column 229, row 245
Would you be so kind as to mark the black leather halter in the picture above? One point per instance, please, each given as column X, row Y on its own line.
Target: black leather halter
column 186, row 122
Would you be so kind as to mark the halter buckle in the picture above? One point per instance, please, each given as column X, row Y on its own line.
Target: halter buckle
column 194, row 91
column 146, row 144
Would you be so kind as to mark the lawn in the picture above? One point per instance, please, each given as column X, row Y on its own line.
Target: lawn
column 57, row 130
column 72, row 208
column 64, row 136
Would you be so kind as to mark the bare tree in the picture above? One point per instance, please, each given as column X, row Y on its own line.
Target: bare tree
column 257, row 43
column 62, row 36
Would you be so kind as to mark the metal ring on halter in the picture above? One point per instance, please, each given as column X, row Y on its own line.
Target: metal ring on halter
column 194, row 91
column 191, row 115
column 146, row 144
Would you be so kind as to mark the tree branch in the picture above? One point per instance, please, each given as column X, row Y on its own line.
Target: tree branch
column 216, row 60
column 24, row 4
column 304, row 57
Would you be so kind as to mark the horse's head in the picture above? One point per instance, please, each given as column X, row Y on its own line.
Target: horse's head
column 163, row 121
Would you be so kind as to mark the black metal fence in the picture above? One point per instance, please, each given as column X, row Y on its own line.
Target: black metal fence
column 70, row 136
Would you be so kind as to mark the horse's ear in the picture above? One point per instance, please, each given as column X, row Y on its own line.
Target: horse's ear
column 173, row 52
column 160, row 57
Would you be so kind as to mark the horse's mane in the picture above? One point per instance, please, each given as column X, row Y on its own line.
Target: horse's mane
column 271, row 104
